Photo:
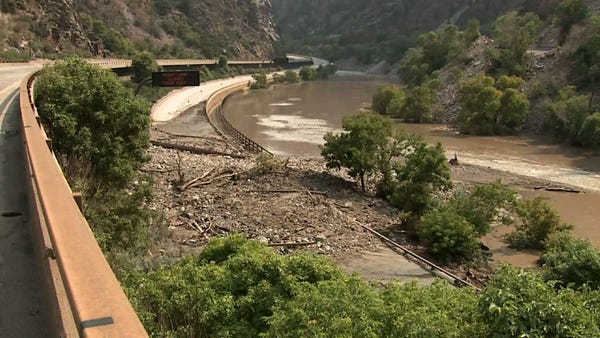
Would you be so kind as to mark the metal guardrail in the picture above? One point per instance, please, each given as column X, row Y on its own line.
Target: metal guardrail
column 85, row 297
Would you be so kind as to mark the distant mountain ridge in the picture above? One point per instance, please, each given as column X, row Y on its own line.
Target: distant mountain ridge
column 169, row 28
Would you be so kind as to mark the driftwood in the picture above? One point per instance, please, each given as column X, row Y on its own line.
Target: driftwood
column 292, row 244
column 160, row 171
column 194, row 149
column 191, row 182
column 197, row 184
column 310, row 192
column 558, row 189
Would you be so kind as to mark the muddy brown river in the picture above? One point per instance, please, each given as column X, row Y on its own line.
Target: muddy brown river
column 292, row 119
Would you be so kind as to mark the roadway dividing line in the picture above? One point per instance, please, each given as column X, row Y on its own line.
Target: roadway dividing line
column 10, row 87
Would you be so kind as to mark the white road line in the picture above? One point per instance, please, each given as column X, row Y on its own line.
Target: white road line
column 10, row 87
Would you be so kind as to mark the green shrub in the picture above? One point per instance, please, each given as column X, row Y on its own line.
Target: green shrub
column 260, row 81
column 589, row 134
column 574, row 262
column 448, row 235
column 308, row 73
column 538, row 220
column 385, row 96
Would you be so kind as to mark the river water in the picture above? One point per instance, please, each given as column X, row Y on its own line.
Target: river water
column 292, row 119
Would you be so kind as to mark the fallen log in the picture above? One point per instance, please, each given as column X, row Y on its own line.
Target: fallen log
column 558, row 189
column 197, row 184
column 291, row 244
column 315, row 192
column 185, row 186
column 194, row 149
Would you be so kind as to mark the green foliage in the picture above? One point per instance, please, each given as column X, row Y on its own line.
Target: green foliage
column 567, row 114
column 448, row 235
column 229, row 291
column 357, row 149
column 572, row 261
column 484, row 205
column 424, row 172
column 569, row 13
column 324, row 73
column 417, row 105
column 14, row 55
column 121, row 220
column 487, row 110
column 112, row 39
column 308, row 73
column 143, row 64
column 382, row 99
column 434, row 50
column 517, row 303
column 266, row 163
column 290, row 76
column 586, row 59
column 337, row 308
column 436, row 311
column 538, row 220
column 514, row 34
column 89, row 114
column 260, row 81
column 589, row 134
column 222, row 61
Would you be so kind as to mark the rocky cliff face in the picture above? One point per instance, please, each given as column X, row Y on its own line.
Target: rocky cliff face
column 169, row 28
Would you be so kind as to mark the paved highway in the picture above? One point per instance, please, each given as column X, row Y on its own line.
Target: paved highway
column 22, row 310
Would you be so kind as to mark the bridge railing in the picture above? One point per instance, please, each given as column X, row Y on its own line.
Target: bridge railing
column 85, row 297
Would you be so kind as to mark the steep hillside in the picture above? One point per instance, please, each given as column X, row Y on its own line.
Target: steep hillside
column 372, row 30
column 169, row 28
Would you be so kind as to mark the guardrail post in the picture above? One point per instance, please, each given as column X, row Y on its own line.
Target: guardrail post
column 49, row 144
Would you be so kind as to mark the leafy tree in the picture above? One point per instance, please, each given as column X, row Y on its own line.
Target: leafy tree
column 143, row 65
column 473, row 30
column 567, row 113
column 424, row 172
column 260, row 81
column 382, row 99
column 366, row 134
column 586, row 59
column 517, row 303
column 538, row 220
column 223, row 61
column 290, row 76
column 90, row 115
column 492, row 108
column 308, row 73
column 589, row 134
column 572, row 261
column 483, row 205
column 514, row 35
column 569, row 13
column 480, row 101
column 448, row 235
column 417, row 104
column 324, row 73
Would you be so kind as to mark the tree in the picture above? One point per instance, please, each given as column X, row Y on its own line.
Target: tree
column 382, row 99
column 483, row 205
column 569, row 13
column 586, row 59
column 366, row 134
column 490, row 107
column 424, row 172
column 417, row 104
column 514, row 35
column 589, row 134
column 90, row 115
column 517, row 303
column 567, row 113
column 537, row 221
column 480, row 101
column 223, row 63
column 143, row 65
column 308, row 73
column 260, row 81
column 448, row 235
column 572, row 261
column 290, row 76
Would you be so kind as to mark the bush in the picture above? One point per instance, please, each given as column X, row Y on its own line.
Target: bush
column 89, row 114
column 424, row 172
column 266, row 163
column 447, row 235
column 383, row 98
column 359, row 147
column 574, row 262
column 290, row 76
column 538, row 220
column 514, row 34
column 143, row 64
column 569, row 13
column 308, row 73
column 417, row 105
column 589, row 134
column 517, row 303
column 567, row 114
column 484, row 205
column 260, row 81
column 490, row 107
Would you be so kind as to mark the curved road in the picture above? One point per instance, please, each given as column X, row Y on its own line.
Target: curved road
column 23, row 312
